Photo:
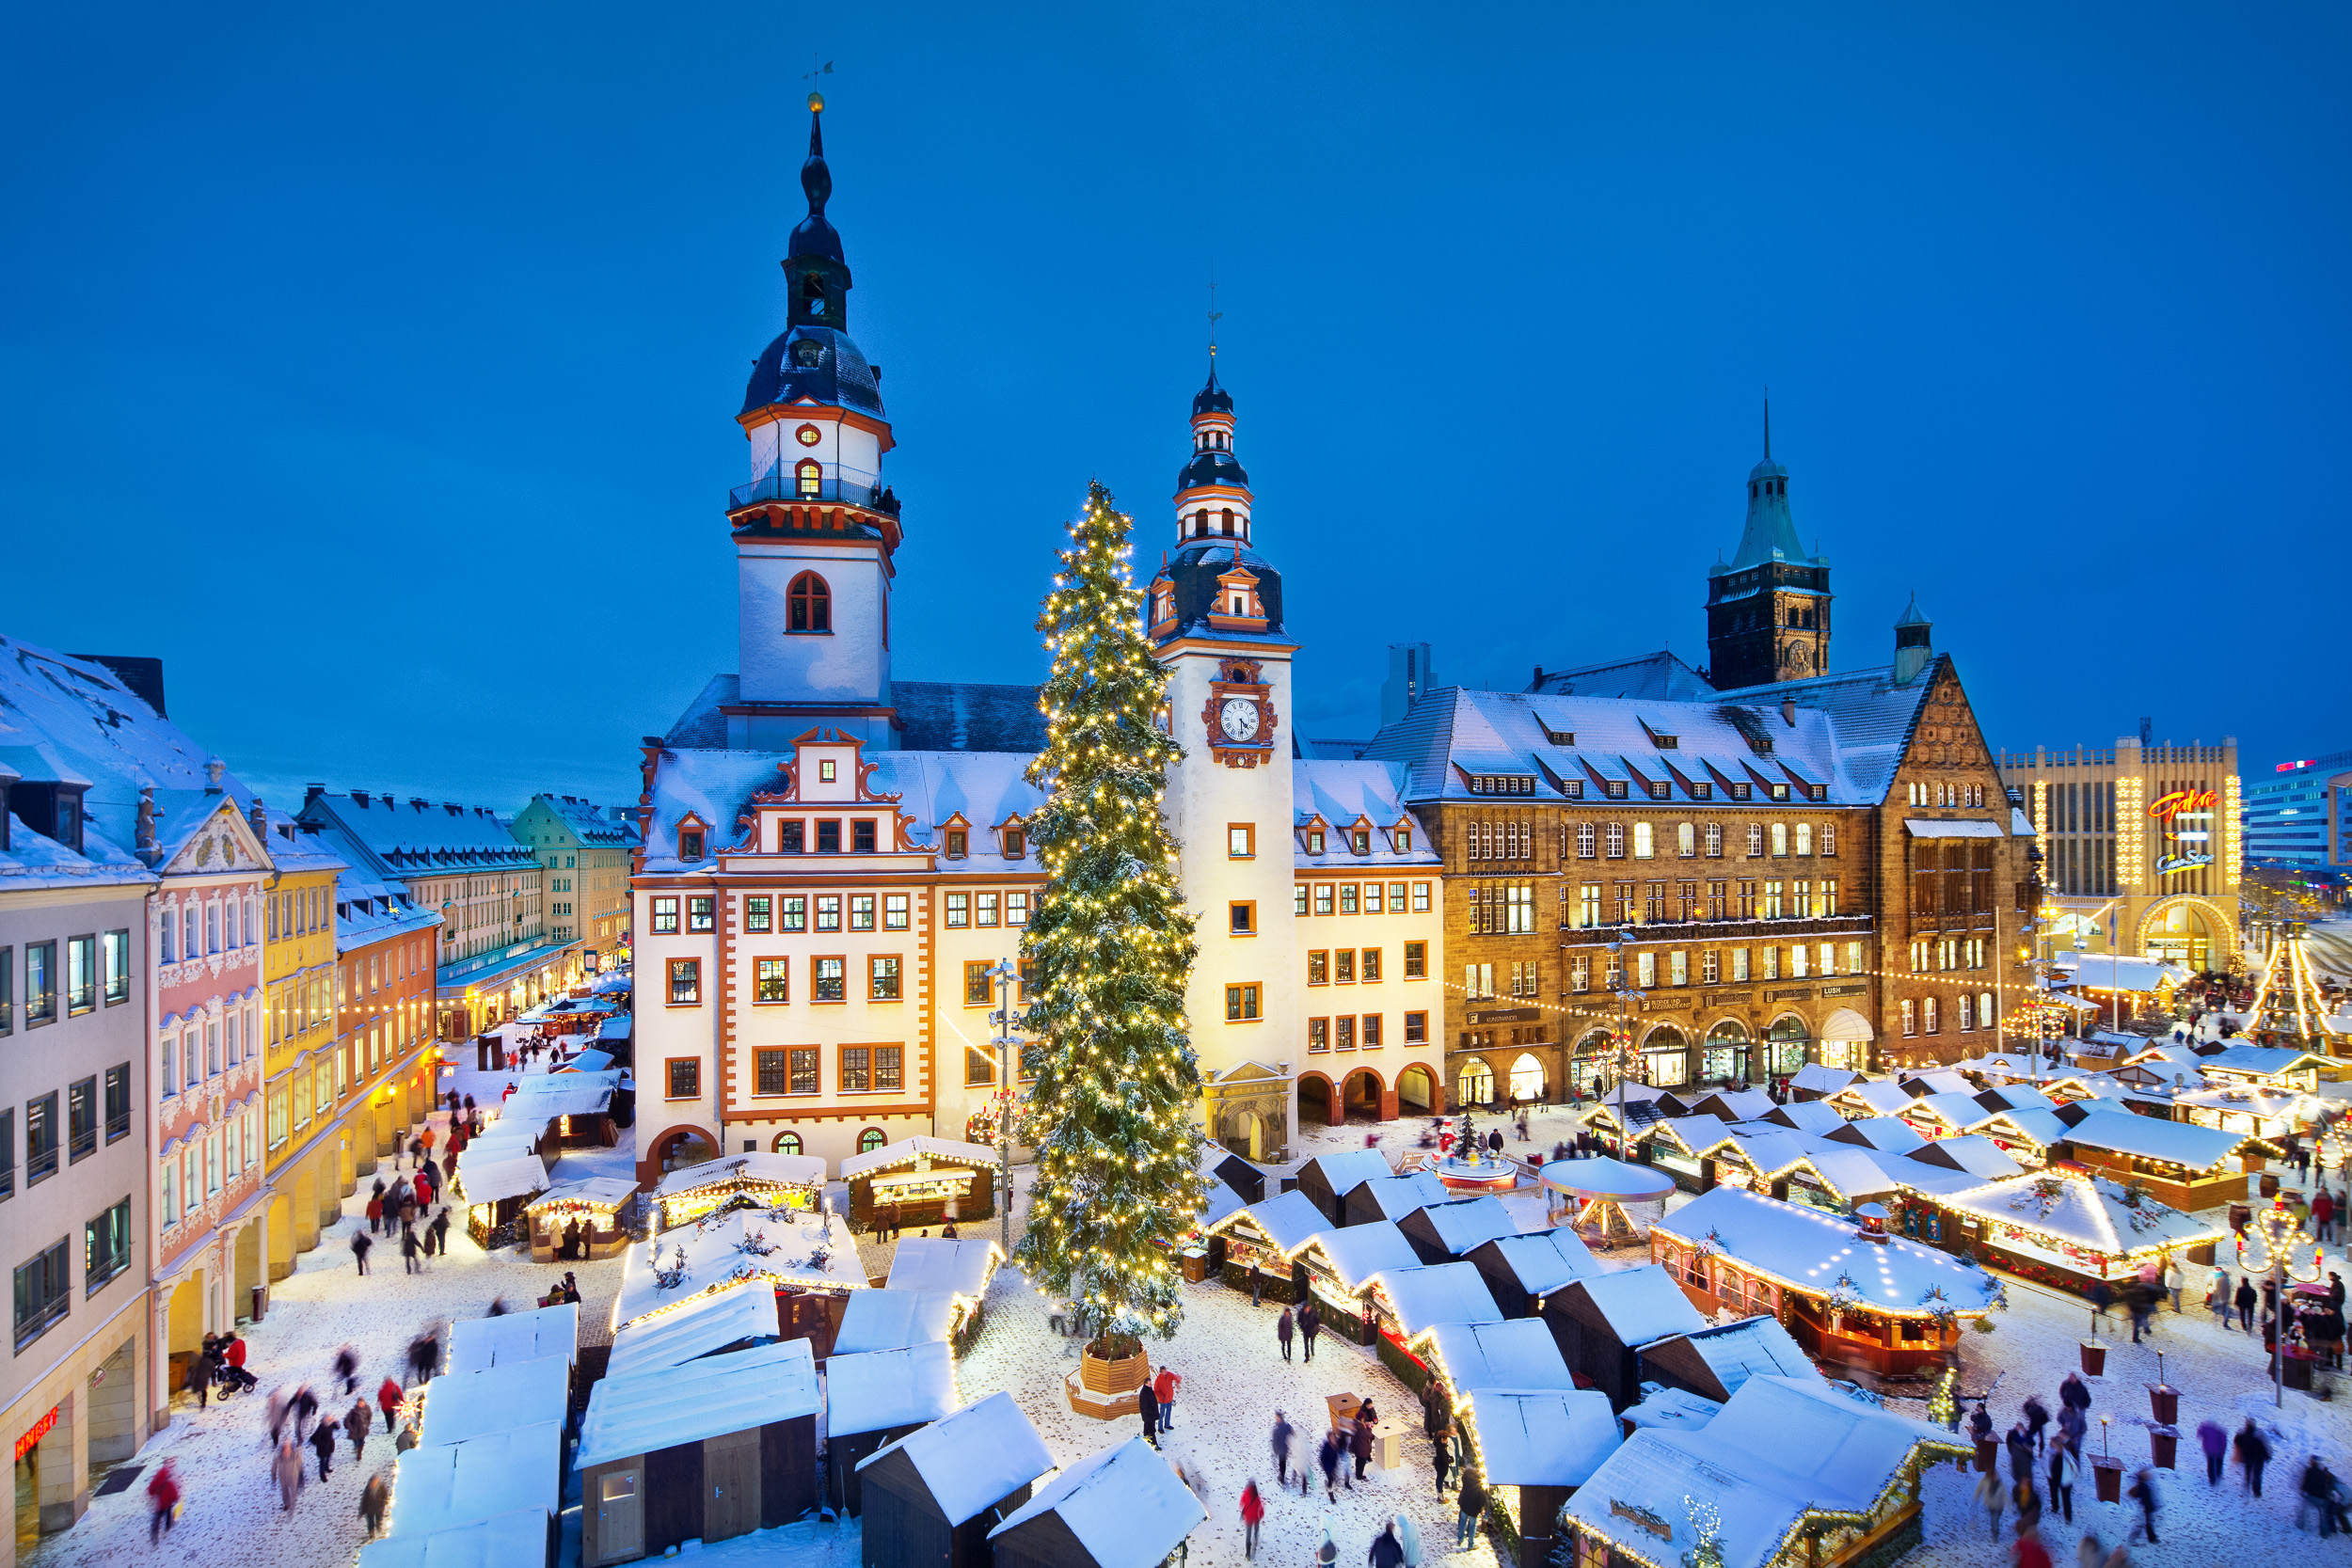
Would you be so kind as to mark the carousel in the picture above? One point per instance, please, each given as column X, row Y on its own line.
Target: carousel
column 1607, row 1202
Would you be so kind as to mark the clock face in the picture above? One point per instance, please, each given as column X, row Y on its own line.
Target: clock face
column 1238, row 719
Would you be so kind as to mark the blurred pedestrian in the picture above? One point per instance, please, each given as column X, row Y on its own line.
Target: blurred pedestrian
column 288, row 1468
column 1252, row 1514
column 163, row 1501
column 374, row 1498
column 1283, row 1326
column 2215, row 1443
column 1282, row 1432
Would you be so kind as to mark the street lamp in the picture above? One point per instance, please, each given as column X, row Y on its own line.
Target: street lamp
column 1004, row 973
column 2279, row 1230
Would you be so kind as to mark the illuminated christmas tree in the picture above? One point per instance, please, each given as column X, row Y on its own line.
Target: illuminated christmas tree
column 1118, row 1184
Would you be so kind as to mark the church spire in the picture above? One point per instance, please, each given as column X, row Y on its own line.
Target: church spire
column 1767, row 607
column 813, row 263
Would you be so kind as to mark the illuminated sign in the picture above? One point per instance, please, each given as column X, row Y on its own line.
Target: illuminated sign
column 38, row 1431
column 2165, row 807
column 2291, row 767
column 2170, row 863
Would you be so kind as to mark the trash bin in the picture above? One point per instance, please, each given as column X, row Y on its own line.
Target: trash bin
column 2269, row 1183
column 2094, row 1354
column 261, row 1302
column 2108, row 1474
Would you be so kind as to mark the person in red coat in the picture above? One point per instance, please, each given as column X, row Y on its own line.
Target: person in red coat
column 1252, row 1514
column 387, row 1398
column 163, row 1499
column 1165, row 1387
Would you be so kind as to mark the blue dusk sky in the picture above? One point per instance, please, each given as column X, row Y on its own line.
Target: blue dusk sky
column 377, row 367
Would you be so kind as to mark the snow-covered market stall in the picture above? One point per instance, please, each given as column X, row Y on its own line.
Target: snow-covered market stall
column 580, row 1221
column 1535, row 1447
column 1326, row 1179
column 715, row 1448
column 494, row 1185
column 1268, row 1238
column 1598, row 1323
column 2067, row 1230
column 2180, row 1163
column 1116, row 1509
column 921, row 1182
column 961, row 1268
column 876, row 1397
column 1888, row 1303
column 894, row 1320
column 805, row 1257
column 1522, row 1270
column 1519, row 1353
column 1448, row 1233
column 519, row 1538
column 739, row 1182
column 476, row 1343
column 933, row 1496
column 733, row 1319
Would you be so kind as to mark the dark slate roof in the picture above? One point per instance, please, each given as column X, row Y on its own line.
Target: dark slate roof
column 967, row 715
column 1194, row 570
column 702, row 726
column 1658, row 674
column 841, row 378
column 1212, row 467
column 1213, row 399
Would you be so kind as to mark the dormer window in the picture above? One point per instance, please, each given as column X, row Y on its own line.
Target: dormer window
column 1403, row 841
column 689, row 844
column 1575, row 788
column 825, row 770
column 1739, row 791
column 1016, row 844
column 1361, row 840
column 1616, row 789
column 808, row 352
column 958, row 844
column 1315, row 840
column 1780, row 792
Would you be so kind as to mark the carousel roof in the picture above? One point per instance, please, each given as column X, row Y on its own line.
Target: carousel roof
column 1602, row 1177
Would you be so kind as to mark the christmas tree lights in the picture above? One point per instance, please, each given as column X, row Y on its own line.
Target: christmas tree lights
column 1118, row 1185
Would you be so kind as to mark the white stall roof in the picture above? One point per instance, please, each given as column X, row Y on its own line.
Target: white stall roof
column 1816, row 1079
column 1520, row 1354
column 908, row 1149
column 1808, row 1116
column 961, row 1268
column 1547, row 1438
column 1678, row 1409
column 1935, row 1081
column 1810, row 1251
column 2197, row 1148
column 1222, row 1200
column 1126, row 1505
column 875, row 1391
column 518, row 1539
column 1289, row 1221
column 442, row 1485
column 1396, row 1196
column 1639, row 1303
column 608, row 1192
column 1952, row 1108
column 783, row 1170
column 1875, row 1095
column 544, row 1096
column 1972, row 1151
column 475, row 1343
column 1544, row 1261
column 1464, row 1223
column 1344, row 1173
column 704, row 1324
column 1736, row 1351
column 461, row 1405
column 1357, row 1252
column 1439, row 1294
column 803, row 1249
column 893, row 1319
column 976, row 1456
column 590, row 1060
column 713, row 1396
column 488, row 1175
column 1891, row 1133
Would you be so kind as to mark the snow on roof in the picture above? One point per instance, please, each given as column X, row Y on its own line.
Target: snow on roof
column 2041, row 1126
column 478, row 1342
column 782, row 1247
column 443, row 1485
column 542, row 1097
column 1972, row 1152
column 961, row 1268
column 1816, row 1079
column 1933, row 1081
column 1289, row 1222
column 1676, row 1408
column 1737, row 1351
column 1639, row 1303
column 876, row 1389
column 976, row 1456
column 462, row 1405
column 605, row 1192
column 1355, row 1253
column 1891, row 1133
column 1221, row 1200
column 591, row 1060
column 1343, row 791
column 709, row 1396
column 907, row 1151
column 1547, row 1437
column 1808, row 1115
column 2182, row 1143
column 704, row 1324
column 1126, row 1505
column 1852, row 1174
column 1846, row 1451
column 2259, row 1061
column 2089, row 1212
column 778, row 1170
column 1874, row 1095
column 1519, row 1354
column 1812, row 1252
column 1464, row 1223
column 1598, row 1176
column 1421, row 1298
column 512, row 1540
column 1544, row 1261
column 893, row 1319
column 492, row 1174
column 1952, row 1107
column 2245, row 1098
column 1396, row 1196
column 1342, row 1173
column 1736, row 1104
column 2016, row 1096
column 1768, row 1147
column 2115, row 972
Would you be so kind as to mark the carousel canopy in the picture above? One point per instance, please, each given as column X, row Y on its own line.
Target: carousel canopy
column 1126, row 1506
column 2087, row 1212
column 734, row 1391
column 738, row 1317
column 1602, row 1177
column 478, row 1342
column 774, row 1170
column 1547, row 1438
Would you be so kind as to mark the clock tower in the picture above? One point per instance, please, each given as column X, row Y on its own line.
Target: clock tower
column 1215, row 614
column 1767, row 607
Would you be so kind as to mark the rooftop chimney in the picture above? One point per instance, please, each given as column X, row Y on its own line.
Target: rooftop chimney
column 259, row 815
column 214, row 770
column 360, row 798
column 1788, row 711
column 311, row 792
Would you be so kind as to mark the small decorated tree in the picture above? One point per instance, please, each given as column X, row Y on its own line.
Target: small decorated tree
column 1118, row 1184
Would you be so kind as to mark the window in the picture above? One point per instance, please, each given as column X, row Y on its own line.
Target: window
column 664, row 916
column 958, row 844
column 772, row 980
column 1347, row 898
column 1804, row 838
column 1372, row 1031
column 118, row 1101
column 1243, row 919
column 1298, row 900
column 1797, row 961
column 883, row 977
column 860, row 911
column 757, row 914
column 1613, row 841
column 1579, row 973
column 985, row 910
column 828, row 911
column 1523, row 978
column 808, row 603
column 828, row 980
column 871, row 1139
column 829, row 834
column 1319, row 967
column 43, row 1292
column 81, row 975
column 1739, row 965
column 791, row 837
column 686, row 982
column 1016, row 909
column 856, row 1069
column 689, row 844
column 1420, row 897
column 40, row 984
column 1643, row 845
column 979, row 1068
column 1344, row 966
column 8, row 991
column 41, row 1137
column 106, row 1246
column 979, row 986
column 1370, row 965
column 685, row 1077
column 1343, row 1033
column 1372, row 897
column 81, row 1114
column 1518, row 908
column 1318, row 1034
column 802, row 1069
column 1315, row 840
column 118, row 970
column 1780, row 839
column 1687, row 840
column 1926, row 1011
column 699, row 914
column 1417, row 960
column 1241, row 1004
column 1478, row 981
column 959, row 909
column 1241, row 841
column 1967, row 1014
column 786, row 1143
column 1016, row 844
column 1403, row 841
column 894, row 911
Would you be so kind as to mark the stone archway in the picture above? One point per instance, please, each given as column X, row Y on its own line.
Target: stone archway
column 1473, row 1082
column 1419, row 1093
column 245, row 1266
column 1363, row 1093
column 281, row 1236
column 2220, row 931
column 1251, row 1129
column 1528, row 1079
column 1318, row 1101
column 685, row 1144
column 305, row 1205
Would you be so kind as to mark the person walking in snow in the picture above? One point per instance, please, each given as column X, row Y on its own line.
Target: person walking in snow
column 2253, row 1452
column 408, row 1247
column 1283, row 1326
column 1252, row 1515
column 1359, row 1439
column 288, row 1469
column 2217, row 1296
column 388, row 1398
column 323, row 1444
column 2215, row 1443
column 374, row 1498
column 1310, row 1324
column 2019, row 1445
column 2037, row 1419
column 1387, row 1550
column 1282, row 1432
column 441, row 1233
column 2143, row 1492
column 2062, row 1473
column 375, row 1214
column 423, row 1351
column 360, row 1244
column 306, row 1404
column 2245, row 1300
column 347, row 1367
column 163, row 1501
column 1148, row 1406
column 1327, row 1461
column 1994, row 1498
column 200, row 1378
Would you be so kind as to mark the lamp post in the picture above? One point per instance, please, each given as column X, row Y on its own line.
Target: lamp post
column 1004, row 973
column 2279, row 1230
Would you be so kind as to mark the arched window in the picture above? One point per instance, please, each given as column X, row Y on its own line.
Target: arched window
column 1225, row 520
column 808, row 478
column 1200, row 524
column 871, row 1139
column 809, row 604
column 786, row 1143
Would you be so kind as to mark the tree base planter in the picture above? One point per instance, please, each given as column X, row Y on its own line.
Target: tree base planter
column 1103, row 1407
column 1104, row 1387
column 2108, row 1475
column 2094, row 1354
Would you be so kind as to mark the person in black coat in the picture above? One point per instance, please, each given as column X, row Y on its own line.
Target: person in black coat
column 1148, row 1406
column 322, row 1443
column 2245, row 1299
column 1310, row 1324
column 1283, row 1326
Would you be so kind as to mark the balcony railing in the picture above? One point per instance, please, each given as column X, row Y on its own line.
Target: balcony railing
column 1718, row 931
column 851, row 486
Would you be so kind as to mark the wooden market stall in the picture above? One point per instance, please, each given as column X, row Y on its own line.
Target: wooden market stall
column 476, row 1343
column 961, row 1268
column 2275, row 1067
column 1402, row 1306
column 932, row 1496
column 2180, row 1163
column 564, row 1110
column 891, row 1319
column 806, row 1260
column 1390, row 1198
column 737, row 1318
column 494, row 1186
column 1246, row 1180
column 1268, row 1237
column 1888, row 1304
column 1796, row 1474
column 715, row 1448
column 1597, row 1322
column 578, row 1222
column 1327, row 1178
column 1871, row 1096
column 1815, row 1082
column 1714, row 1362
column 2068, row 1230
column 1806, row 1115
column 921, row 1182
column 875, row 1396
column 1450, row 1231
column 1117, row 1509
column 1522, row 1270
column 460, row 1407
column 750, row 1180
column 516, row 1538
column 1518, row 1353
column 438, row 1486
column 1536, row 1448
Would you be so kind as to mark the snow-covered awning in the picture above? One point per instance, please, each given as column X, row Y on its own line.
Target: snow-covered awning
column 1421, row 1298
column 1352, row 1254
column 918, row 1150
column 459, row 1407
column 744, row 1172
column 1517, row 1353
column 491, row 1180
column 978, row 1455
column 712, row 1322
column 961, row 1268
column 709, row 1396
